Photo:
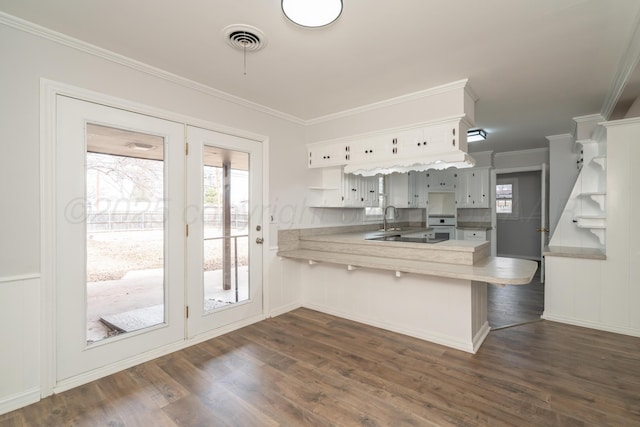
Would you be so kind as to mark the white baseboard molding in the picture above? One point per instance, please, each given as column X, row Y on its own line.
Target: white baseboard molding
column 481, row 336
column 591, row 325
column 20, row 400
column 87, row 377
column 284, row 309
column 470, row 347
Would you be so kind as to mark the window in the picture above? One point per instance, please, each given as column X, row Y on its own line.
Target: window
column 506, row 198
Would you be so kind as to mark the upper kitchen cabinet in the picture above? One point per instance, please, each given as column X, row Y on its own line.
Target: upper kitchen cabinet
column 473, row 189
column 327, row 155
column 419, row 147
column 407, row 190
column 340, row 190
column 442, row 180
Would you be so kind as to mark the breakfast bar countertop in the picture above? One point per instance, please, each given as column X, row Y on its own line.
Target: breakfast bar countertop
column 458, row 259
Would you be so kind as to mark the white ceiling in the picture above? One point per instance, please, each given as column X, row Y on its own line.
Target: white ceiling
column 534, row 64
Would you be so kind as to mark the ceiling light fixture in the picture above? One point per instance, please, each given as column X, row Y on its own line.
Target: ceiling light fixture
column 312, row 13
column 140, row 146
column 475, row 135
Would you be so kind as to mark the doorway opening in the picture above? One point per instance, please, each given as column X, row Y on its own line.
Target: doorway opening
column 520, row 209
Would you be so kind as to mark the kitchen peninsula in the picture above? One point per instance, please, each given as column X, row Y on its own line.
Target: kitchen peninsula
column 433, row 291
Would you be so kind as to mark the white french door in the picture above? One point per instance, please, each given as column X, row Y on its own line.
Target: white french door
column 147, row 235
column 224, row 214
column 120, row 237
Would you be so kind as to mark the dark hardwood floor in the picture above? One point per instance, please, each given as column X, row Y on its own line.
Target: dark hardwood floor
column 308, row 368
column 513, row 305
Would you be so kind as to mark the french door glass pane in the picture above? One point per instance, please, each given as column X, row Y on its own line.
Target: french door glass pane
column 225, row 220
column 125, row 231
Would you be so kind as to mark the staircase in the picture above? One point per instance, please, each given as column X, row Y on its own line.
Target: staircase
column 583, row 222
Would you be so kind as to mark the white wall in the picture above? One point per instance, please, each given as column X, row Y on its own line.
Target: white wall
column 27, row 58
column 563, row 172
column 520, row 158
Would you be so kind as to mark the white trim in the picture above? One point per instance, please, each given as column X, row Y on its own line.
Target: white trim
column 561, row 137
column 56, row 37
column 519, row 153
column 150, row 355
column 628, row 62
column 285, row 309
column 19, row 400
column 49, row 90
column 394, row 101
column 589, row 324
column 80, row 45
column 19, row 277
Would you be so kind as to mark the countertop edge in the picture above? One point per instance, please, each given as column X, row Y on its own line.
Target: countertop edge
column 453, row 271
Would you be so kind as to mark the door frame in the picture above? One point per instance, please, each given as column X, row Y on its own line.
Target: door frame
column 544, row 170
column 49, row 90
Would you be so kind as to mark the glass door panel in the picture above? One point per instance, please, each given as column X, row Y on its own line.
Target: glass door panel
column 225, row 232
column 125, row 231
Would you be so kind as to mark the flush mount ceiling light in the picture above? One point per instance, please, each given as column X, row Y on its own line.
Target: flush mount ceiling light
column 140, row 146
column 312, row 13
column 475, row 135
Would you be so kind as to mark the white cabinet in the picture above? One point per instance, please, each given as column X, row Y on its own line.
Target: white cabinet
column 407, row 190
column 442, row 180
column 480, row 235
column 473, row 188
column 337, row 190
column 326, row 155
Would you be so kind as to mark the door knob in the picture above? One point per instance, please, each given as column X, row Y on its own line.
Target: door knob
column 259, row 240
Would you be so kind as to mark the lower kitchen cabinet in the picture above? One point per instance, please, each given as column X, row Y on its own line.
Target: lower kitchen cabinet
column 465, row 234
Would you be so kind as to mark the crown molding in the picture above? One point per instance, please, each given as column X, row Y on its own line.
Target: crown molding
column 459, row 84
column 561, row 137
column 626, row 67
column 56, row 37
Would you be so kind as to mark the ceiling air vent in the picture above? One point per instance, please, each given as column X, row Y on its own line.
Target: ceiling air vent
column 244, row 37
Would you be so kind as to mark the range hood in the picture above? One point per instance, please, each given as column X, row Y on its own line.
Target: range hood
column 443, row 160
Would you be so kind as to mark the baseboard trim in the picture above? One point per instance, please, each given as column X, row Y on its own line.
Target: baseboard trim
column 20, row 400
column 469, row 347
column 284, row 309
column 479, row 338
column 591, row 325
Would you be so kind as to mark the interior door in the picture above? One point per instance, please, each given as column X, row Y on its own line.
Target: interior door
column 119, row 235
column 224, row 214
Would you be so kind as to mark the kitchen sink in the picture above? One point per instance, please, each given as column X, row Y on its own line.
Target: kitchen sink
column 400, row 238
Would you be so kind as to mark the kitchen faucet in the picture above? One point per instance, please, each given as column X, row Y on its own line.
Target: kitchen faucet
column 384, row 220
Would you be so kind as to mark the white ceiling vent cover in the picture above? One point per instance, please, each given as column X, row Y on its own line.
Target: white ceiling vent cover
column 244, row 37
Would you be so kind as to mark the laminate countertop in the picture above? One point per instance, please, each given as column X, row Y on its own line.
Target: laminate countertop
column 456, row 259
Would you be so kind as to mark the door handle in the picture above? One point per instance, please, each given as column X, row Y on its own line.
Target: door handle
column 259, row 240
column 542, row 230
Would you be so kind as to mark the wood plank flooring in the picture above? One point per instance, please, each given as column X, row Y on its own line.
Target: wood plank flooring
column 308, row 368
column 512, row 305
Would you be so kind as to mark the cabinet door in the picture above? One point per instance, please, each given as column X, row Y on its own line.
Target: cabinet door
column 398, row 190
column 411, row 143
column 327, row 155
column 350, row 191
column 462, row 189
column 371, row 186
column 483, row 188
column 418, row 192
column 371, row 149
